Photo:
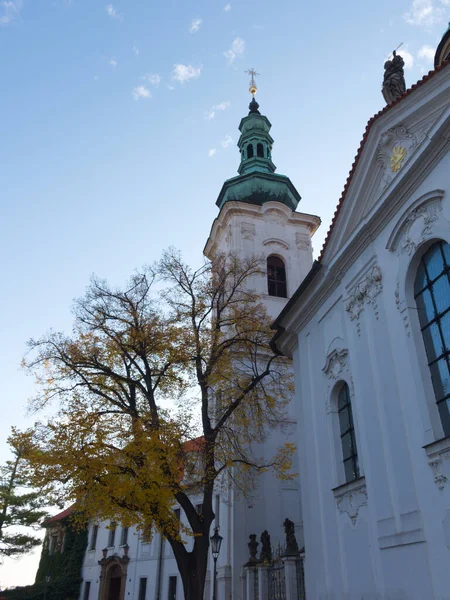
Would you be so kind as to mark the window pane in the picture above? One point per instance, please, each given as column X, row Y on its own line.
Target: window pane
column 445, row 328
column 441, row 378
column 444, row 413
column 434, row 261
column 446, row 249
column 425, row 308
column 347, row 445
column 433, row 341
column 344, row 420
column 343, row 397
column 421, row 279
column 441, row 291
column 349, row 469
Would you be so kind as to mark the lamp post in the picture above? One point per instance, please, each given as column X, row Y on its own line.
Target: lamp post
column 216, row 542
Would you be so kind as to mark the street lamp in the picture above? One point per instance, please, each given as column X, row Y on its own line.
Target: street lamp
column 216, row 542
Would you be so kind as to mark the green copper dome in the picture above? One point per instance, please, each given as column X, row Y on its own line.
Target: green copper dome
column 257, row 182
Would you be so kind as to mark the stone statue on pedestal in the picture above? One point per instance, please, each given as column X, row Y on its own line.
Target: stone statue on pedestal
column 266, row 549
column 291, row 540
column 394, row 78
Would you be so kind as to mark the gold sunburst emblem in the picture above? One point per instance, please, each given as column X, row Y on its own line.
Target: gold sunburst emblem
column 397, row 158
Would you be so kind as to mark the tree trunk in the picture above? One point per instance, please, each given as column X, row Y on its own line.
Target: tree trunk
column 192, row 567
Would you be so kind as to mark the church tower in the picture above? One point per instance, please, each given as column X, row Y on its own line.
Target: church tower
column 258, row 217
column 258, row 214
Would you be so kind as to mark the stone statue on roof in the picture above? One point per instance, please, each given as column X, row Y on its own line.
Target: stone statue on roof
column 394, row 78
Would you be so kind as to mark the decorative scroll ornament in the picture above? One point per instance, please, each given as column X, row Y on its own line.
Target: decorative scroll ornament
column 418, row 225
column 350, row 501
column 364, row 292
column 336, row 363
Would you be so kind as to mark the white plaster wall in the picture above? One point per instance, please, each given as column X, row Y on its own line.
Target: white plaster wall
column 394, row 542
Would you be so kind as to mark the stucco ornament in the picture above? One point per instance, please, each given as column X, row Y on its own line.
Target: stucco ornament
column 336, row 363
column 247, row 231
column 364, row 292
column 397, row 158
column 351, row 500
column 394, row 149
column 302, row 241
column 418, row 226
column 439, row 461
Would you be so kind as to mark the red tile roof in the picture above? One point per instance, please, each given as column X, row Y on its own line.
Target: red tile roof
column 195, row 445
column 60, row 516
column 363, row 142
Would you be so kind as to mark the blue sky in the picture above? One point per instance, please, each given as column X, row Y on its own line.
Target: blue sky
column 119, row 123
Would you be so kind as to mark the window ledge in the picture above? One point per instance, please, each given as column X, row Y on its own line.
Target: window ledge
column 91, row 550
column 350, row 486
column 437, row 447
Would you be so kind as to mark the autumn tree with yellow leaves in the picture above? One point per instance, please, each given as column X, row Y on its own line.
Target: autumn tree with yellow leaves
column 179, row 354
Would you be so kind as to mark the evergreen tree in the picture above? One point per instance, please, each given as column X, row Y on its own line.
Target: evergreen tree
column 19, row 507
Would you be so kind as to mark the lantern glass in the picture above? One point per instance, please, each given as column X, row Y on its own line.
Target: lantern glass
column 216, row 542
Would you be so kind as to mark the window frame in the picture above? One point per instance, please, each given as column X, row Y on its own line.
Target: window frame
column 94, row 536
column 172, row 578
column 112, row 535
column 440, row 427
column 142, row 588
column 353, row 458
column 124, row 536
column 275, row 281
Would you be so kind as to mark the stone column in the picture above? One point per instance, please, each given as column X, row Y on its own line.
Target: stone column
column 251, row 576
column 290, row 574
column 224, row 583
column 263, row 581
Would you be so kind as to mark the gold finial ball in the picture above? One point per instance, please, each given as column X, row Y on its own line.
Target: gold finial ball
column 253, row 89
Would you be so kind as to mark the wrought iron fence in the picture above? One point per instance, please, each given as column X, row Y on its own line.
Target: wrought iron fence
column 301, row 592
column 277, row 578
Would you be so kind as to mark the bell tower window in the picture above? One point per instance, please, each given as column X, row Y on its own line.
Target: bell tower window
column 260, row 150
column 250, row 151
column 276, row 277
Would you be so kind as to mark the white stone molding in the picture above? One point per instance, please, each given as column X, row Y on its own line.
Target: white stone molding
column 439, row 461
column 390, row 139
column 402, row 308
column 336, row 363
column 416, row 224
column 350, row 498
column 247, row 230
column 275, row 215
column 364, row 292
column 276, row 242
column 302, row 241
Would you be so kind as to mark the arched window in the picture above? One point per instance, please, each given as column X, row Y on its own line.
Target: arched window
column 432, row 294
column 276, row 277
column 250, row 151
column 347, row 433
column 260, row 150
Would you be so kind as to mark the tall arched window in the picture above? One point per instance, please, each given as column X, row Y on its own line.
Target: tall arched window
column 260, row 150
column 250, row 151
column 432, row 294
column 347, row 432
column 276, row 277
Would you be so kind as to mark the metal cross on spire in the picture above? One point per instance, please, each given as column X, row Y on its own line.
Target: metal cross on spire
column 252, row 89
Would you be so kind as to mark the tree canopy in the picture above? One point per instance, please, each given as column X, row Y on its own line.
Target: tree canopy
column 177, row 355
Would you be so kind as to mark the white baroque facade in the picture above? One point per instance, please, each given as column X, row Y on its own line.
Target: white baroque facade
column 369, row 334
